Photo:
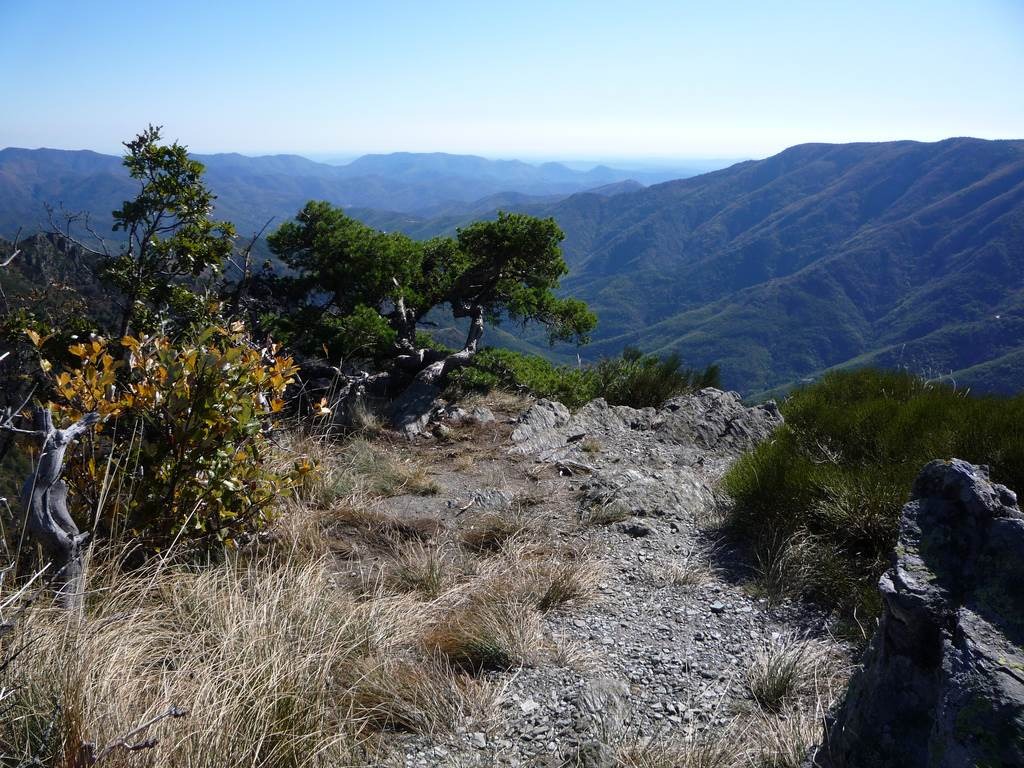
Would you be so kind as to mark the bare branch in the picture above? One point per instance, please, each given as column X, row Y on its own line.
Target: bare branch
column 44, row 497
column 71, row 219
column 246, row 268
column 125, row 743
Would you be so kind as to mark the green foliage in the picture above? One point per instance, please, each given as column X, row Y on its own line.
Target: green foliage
column 492, row 368
column 343, row 272
column 513, row 265
column 820, row 501
column 640, row 380
column 634, row 379
column 170, row 236
column 183, row 454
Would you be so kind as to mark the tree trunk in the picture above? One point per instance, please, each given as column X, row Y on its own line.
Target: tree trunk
column 44, row 498
column 411, row 411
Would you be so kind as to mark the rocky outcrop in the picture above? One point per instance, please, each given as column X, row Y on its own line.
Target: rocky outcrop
column 706, row 421
column 942, row 682
column 646, row 462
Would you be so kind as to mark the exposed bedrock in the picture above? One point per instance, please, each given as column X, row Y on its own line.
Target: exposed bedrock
column 942, row 682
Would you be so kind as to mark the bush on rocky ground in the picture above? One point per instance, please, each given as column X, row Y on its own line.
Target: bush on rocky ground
column 633, row 379
column 820, row 501
column 183, row 455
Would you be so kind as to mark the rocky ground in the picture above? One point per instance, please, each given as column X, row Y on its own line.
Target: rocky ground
column 664, row 648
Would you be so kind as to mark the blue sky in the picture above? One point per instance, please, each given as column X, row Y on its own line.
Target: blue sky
column 512, row 79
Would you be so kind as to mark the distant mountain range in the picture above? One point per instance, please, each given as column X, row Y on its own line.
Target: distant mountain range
column 901, row 254
column 252, row 189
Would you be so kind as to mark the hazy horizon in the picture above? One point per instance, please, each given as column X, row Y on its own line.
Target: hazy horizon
column 573, row 81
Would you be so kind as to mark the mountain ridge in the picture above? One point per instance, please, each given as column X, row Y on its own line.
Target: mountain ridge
column 823, row 256
column 252, row 189
column 902, row 254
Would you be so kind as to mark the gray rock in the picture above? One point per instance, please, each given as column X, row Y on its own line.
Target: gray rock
column 538, row 427
column 482, row 415
column 478, row 739
column 453, row 414
column 594, row 754
column 492, row 500
column 660, row 462
column 634, row 529
column 942, row 682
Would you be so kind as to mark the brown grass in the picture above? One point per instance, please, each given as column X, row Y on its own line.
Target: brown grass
column 490, row 531
column 487, row 631
column 275, row 664
column 427, row 569
column 687, row 570
column 792, row 669
column 355, row 469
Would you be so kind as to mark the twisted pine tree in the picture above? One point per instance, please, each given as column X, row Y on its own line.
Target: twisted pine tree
column 354, row 289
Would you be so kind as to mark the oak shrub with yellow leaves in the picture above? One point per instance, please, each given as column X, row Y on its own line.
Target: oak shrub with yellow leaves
column 183, row 456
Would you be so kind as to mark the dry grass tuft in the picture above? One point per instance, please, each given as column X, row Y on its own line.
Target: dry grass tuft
column 498, row 400
column 790, row 670
column 785, row 741
column 682, row 752
column 276, row 665
column 547, row 577
column 490, row 531
column 606, row 514
column 426, row 697
column 784, row 567
column 566, row 581
column 356, row 469
column 464, row 462
column 487, row 631
column 422, row 568
column 690, row 570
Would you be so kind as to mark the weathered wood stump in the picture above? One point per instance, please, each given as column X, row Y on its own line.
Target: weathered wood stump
column 44, row 498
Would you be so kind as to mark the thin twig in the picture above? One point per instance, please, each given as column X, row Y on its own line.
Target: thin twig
column 124, row 741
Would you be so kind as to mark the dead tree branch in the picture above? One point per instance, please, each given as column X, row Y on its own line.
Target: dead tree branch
column 44, row 497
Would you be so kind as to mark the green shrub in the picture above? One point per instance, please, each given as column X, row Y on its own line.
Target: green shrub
column 494, row 367
column 820, row 501
column 640, row 380
column 183, row 455
column 633, row 379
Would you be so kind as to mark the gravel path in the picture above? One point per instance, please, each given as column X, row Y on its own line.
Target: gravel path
column 665, row 647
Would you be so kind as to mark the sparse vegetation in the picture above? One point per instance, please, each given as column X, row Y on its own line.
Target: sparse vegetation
column 487, row 631
column 820, row 500
column 491, row 531
column 689, row 570
column 358, row 468
column 633, row 379
column 606, row 513
column 785, row 670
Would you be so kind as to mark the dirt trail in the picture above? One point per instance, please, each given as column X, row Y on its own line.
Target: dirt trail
column 663, row 650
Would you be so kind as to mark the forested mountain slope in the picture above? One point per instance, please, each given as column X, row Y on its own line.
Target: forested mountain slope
column 899, row 254
column 902, row 253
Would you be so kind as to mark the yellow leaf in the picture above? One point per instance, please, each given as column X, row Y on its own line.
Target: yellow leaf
column 37, row 340
column 45, row 364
